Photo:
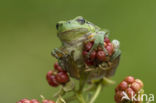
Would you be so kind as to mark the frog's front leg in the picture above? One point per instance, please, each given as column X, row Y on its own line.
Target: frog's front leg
column 57, row 53
column 99, row 41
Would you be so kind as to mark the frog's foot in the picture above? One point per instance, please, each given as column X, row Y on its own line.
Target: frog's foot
column 57, row 53
column 104, row 49
column 96, row 45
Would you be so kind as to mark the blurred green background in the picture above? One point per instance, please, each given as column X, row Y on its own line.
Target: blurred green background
column 28, row 34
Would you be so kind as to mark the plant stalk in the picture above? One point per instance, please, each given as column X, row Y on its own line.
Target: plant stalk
column 97, row 92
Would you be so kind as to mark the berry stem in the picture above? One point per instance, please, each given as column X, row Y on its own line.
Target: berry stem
column 97, row 92
column 82, row 82
column 80, row 98
column 70, row 99
column 61, row 92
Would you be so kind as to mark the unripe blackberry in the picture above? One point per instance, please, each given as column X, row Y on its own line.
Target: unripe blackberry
column 88, row 46
column 47, row 101
column 101, row 55
column 89, row 62
column 140, row 82
column 93, row 55
column 118, row 96
column 24, row 101
column 123, row 85
column 49, row 74
column 130, row 92
column 129, row 79
column 51, row 78
column 110, row 49
column 58, row 68
column 34, row 101
column 129, row 86
column 84, row 53
column 136, row 86
column 106, row 40
column 52, row 81
column 62, row 77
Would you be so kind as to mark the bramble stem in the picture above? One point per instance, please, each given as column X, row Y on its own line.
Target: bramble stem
column 81, row 87
column 80, row 98
column 97, row 92
column 70, row 99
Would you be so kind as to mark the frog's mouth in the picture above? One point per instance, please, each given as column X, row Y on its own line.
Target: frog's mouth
column 74, row 31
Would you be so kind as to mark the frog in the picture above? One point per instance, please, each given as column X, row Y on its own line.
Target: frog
column 72, row 34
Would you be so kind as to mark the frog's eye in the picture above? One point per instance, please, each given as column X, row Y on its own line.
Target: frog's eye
column 81, row 20
column 57, row 26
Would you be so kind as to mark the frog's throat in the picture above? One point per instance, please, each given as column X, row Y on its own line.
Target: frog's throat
column 73, row 36
column 78, row 41
column 73, row 31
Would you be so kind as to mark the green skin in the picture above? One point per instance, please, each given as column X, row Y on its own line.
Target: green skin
column 73, row 32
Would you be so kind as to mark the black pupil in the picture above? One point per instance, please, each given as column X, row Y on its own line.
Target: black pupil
column 82, row 21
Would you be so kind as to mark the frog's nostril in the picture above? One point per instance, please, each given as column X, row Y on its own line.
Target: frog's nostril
column 58, row 25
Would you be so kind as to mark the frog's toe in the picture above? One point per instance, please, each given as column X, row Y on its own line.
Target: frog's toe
column 106, row 52
column 57, row 53
column 53, row 53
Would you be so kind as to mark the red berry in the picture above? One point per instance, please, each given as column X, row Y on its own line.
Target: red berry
column 117, row 99
column 34, row 101
column 52, row 79
column 47, row 101
column 119, row 96
column 89, row 62
column 58, row 68
column 107, row 40
column 93, row 55
column 129, row 79
column 88, row 46
column 56, row 65
column 101, row 55
column 123, row 85
column 130, row 86
column 130, row 92
column 24, row 101
column 116, row 89
column 84, row 53
column 136, row 86
column 109, row 48
column 62, row 77
column 49, row 74
column 140, row 82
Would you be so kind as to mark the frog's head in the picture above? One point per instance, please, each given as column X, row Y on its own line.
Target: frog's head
column 72, row 29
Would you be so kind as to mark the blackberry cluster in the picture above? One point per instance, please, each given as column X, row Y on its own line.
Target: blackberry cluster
column 97, row 56
column 34, row 101
column 130, row 86
column 57, row 76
